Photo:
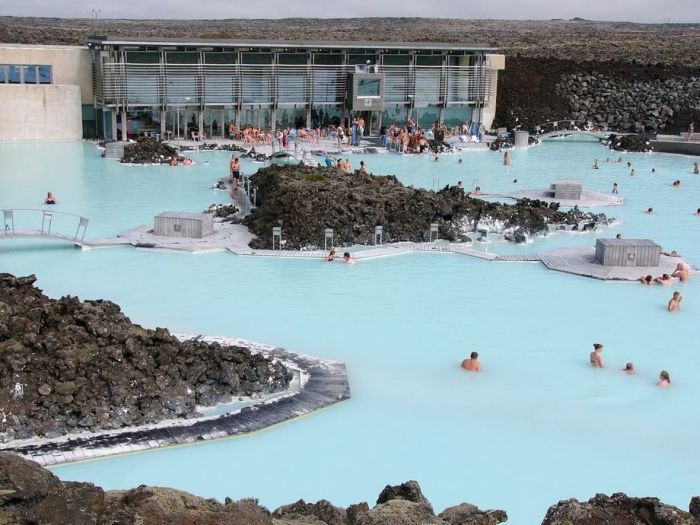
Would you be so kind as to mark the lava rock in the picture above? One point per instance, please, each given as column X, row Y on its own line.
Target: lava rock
column 148, row 150
column 619, row 509
column 466, row 514
column 68, row 365
column 304, row 200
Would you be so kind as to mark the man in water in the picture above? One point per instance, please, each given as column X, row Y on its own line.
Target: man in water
column 664, row 280
column 596, row 359
column 348, row 258
column 629, row 369
column 674, row 305
column 681, row 272
column 472, row 364
column 646, row 280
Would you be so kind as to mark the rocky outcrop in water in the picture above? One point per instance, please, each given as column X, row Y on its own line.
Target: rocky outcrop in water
column 618, row 509
column 149, row 151
column 68, row 365
column 633, row 143
column 629, row 104
column 31, row 494
column 304, row 200
column 222, row 211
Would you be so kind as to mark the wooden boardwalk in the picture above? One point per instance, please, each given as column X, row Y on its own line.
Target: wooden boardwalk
column 324, row 383
column 589, row 199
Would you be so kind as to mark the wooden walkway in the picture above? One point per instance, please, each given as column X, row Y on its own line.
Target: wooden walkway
column 324, row 383
column 589, row 199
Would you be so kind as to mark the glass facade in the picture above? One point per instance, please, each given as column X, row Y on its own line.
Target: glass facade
column 278, row 86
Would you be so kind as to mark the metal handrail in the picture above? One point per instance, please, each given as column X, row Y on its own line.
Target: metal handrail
column 47, row 217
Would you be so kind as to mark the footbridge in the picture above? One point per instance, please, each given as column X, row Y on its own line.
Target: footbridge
column 563, row 128
column 45, row 224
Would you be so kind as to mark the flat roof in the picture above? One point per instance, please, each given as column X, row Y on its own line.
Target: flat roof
column 330, row 44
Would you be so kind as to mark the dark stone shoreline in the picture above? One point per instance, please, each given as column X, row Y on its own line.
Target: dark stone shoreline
column 304, row 200
column 31, row 494
column 71, row 366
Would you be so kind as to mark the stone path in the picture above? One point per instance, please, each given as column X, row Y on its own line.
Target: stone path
column 322, row 383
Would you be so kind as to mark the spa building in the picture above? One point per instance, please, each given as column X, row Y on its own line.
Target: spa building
column 120, row 88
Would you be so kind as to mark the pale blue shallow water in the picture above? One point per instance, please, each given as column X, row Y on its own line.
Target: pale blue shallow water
column 538, row 425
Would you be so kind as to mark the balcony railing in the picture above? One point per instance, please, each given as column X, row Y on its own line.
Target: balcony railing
column 129, row 84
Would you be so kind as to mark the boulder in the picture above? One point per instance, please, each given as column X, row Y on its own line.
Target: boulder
column 618, row 509
column 467, row 514
column 400, row 512
column 323, row 510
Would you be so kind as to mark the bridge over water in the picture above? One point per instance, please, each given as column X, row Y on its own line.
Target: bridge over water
column 564, row 128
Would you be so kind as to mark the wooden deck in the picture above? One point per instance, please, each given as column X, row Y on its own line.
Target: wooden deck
column 589, row 199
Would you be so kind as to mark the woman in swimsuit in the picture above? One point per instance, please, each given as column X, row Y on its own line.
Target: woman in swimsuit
column 49, row 199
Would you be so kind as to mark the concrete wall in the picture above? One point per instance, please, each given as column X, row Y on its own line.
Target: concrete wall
column 676, row 146
column 40, row 112
column 36, row 112
column 488, row 112
column 71, row 65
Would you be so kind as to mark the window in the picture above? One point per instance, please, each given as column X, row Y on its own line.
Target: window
column 368, row 87
column 44, row 74
column 30, row 74
column 13, row 74
column 24, row 74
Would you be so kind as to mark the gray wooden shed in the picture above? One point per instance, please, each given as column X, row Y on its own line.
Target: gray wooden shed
column 568, row 189
column 627, row 252
column 181, row 224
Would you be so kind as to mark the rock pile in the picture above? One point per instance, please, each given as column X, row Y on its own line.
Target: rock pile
column 67, row 366
column 147, row 150
column 304, row 200
column 634, row 143
column 222, row 211
column 31, row 494
column 629, row 105
column 619, row 509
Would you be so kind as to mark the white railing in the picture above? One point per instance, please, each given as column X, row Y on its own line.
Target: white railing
column 201, row 84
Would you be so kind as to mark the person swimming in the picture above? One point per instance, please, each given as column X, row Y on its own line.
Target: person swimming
column 676, row 183
column 595, row 164
column 173, row 161
column 472, row 364
column 633, row 173
column 664, row 379
column 515, row 181
column 460, row 185
column 615, row 188
column 595, row 358
column 674, row 305
column 629, row 369
column 664, row 280
column 348, row 258
column 331, row 256
column 459, row 161
column 650, row 211
column 50, row 199
column 646, row 280
column 477, row 191
column 618, row 236
column 187, row 161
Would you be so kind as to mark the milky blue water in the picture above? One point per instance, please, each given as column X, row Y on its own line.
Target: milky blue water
column 538, row 425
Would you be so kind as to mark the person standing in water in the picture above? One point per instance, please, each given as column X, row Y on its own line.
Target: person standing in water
column 472, row 364
column 615, row 189
column 664, row 379
column 674, row 305
column 506, row 159
column 595, row 358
